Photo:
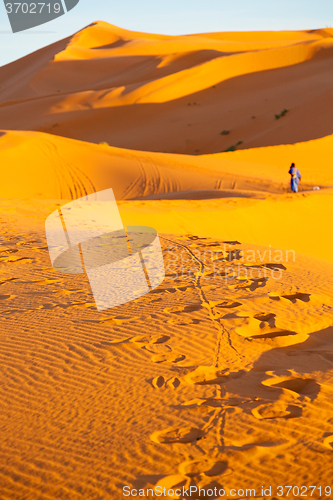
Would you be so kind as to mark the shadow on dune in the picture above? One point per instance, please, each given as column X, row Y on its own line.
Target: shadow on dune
column 245, row 106
column 289, row 369
column 100, row 73
column 205, row 195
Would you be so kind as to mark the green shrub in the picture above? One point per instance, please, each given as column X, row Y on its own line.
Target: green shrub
column 233, row 147
column 284, row 112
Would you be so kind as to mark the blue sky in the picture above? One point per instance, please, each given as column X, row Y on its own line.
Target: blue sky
column 171, row 17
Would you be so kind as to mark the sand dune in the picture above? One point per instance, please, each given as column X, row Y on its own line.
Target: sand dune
column 44, row 166
column 204, row 382
column 254, row 199
column 222, row 376
column 174, row 94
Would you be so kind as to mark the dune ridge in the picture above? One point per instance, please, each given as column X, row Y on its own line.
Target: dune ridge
column 48, row 166
column 174, row 94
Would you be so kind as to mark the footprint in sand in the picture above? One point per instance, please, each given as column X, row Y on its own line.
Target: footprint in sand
column 203, row 467
column 83, row 305
column 142, row 340
column 250, row 284
column 224, row 304
column 176, row 289
column 328, row 442
column 273, row 333
column 277, row 410
column 157, row 348
column 152, row 299
column 191, row 237
column 183, row 321
column 159, row 382
column 216, row 402
column 261, row 326
column 182, row 435
column 179, row 309
column 46, row 282
column 23, row 243
column 267, row 265
column 169, row 358
column 205, row 244
column 117, row 320
column 259, row 448
column 266, row 318
column 206, row 375
column 173, row 383
column 21, row 260
column 6, row 280
column 304, row 297
column 74, row 305
column 295, row 386
column 234, row 242
column 150, row 339
column 6, row 251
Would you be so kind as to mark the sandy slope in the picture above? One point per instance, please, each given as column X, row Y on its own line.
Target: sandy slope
column 47, row 166
column 174, row 94
column 253, row 204
column 211, row 380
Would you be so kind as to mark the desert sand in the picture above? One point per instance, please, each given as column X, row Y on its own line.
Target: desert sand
column 223, row 375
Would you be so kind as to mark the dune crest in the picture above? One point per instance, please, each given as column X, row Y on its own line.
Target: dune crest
column 48, row 166
column 174, row 94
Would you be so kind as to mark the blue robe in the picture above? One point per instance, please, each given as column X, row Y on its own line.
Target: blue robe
column 295, row 177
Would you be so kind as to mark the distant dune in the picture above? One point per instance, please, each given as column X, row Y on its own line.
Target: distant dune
column 149, row 115
column 174, row 94
column 39, row 165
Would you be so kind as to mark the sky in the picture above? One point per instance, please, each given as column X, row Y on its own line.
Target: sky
column 170, row 17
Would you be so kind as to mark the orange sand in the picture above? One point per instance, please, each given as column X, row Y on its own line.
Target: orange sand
column 221, row 377
column 174, row 94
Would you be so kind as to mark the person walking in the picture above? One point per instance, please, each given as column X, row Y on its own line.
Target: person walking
column 295, row 177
